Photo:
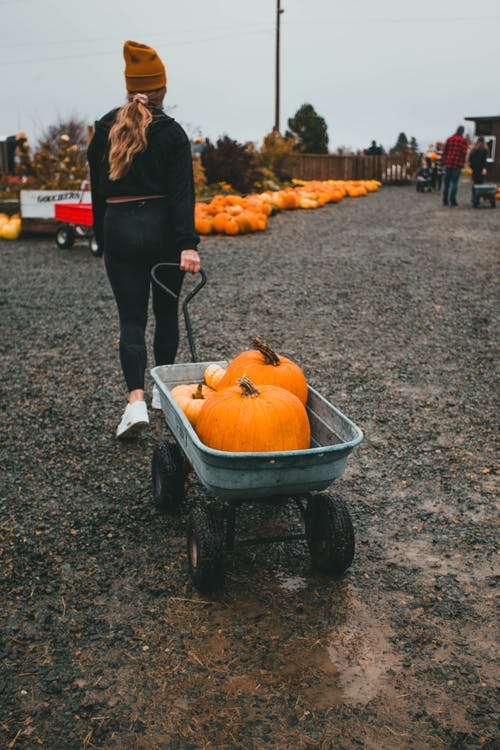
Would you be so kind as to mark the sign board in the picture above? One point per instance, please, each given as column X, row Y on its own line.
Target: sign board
column 39, row 204
column 491, row 143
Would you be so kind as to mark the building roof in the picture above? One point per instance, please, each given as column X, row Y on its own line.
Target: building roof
column 487, row 117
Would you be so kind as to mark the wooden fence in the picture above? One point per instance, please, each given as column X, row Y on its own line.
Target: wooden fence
column 394, row 169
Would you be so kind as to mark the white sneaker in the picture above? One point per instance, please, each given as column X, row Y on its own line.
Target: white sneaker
column 155, row 399
column 135, row 418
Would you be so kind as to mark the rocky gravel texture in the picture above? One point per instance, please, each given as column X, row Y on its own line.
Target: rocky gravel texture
column 389, row 302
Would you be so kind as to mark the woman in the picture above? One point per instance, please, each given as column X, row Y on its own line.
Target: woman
column 478, row 157
column 143, row 205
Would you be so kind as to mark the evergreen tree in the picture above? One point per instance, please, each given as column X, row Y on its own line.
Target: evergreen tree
column 401, row 144
column 414, row 144
column 309, row 129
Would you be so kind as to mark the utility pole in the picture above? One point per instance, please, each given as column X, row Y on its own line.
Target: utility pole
column 279, row 11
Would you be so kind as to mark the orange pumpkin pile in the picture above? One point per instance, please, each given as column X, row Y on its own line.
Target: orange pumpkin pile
column 256, row 404
column 232, row 214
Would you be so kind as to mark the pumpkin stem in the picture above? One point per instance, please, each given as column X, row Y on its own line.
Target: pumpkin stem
column 198, row 392
column 270, row 356
column 247, row 387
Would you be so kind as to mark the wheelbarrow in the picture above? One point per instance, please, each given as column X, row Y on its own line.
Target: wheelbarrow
column 233, row 480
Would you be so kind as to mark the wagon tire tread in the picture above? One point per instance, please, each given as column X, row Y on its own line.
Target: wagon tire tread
column 65, row 237
column 205, row 550
column 168, row 475
column 329, row 533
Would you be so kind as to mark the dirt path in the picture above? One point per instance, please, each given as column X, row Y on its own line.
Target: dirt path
column 389, row 302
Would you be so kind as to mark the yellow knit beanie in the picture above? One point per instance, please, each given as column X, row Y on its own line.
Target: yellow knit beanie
column 144, row 71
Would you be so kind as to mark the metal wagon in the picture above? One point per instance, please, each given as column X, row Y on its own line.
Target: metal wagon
column 233, row 479
column 484, row 192
column 76, row 222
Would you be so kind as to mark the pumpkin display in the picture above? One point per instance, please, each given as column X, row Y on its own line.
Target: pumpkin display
column 244, row 418
column 191, row 398
column 264, row 367
column 235, row 214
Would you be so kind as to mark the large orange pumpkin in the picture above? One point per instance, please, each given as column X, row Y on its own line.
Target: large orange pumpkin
column 264, row 367
column 244, row 418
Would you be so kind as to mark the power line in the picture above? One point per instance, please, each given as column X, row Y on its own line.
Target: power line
column 409, row 21
column 148, row 34
column 100, row 54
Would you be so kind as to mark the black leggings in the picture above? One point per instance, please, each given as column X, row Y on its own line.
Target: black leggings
column 136, row 236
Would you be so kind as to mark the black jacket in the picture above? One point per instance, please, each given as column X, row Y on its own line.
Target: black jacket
column 164, row 168
column 478, row 159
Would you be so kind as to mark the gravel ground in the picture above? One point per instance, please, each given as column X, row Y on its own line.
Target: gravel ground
column 388, row 302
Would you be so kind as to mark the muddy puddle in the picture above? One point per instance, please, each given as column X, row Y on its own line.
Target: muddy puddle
column 320, row 655
column 422, row 554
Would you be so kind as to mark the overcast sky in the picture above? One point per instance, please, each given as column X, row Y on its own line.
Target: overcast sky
column 371, row 68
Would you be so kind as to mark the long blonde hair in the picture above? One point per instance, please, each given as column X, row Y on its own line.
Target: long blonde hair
column 128, row 135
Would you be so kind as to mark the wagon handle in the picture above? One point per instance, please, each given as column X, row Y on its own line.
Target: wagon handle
column 187, row 299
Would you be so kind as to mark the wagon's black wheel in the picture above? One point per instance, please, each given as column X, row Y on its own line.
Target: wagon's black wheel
column 65, row 237
column 94, row 248
column 168, row 474
column 329, row 533
column 205, row 549
column 493, row 201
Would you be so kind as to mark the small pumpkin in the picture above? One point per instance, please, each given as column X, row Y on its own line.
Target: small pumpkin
column 203, row 225
column 244, row 418
column 213, row 375
column 231, row 226
column 219, row 222
column 264, row 367
column 10, row 230
column 191, row 398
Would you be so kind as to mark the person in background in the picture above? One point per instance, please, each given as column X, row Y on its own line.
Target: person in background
column 478, row 159
column 15, row 144
column 424, row 175
column 437, row 167
column 374, row 150
column 198, row 147
column 143, row 208
column 454, row 156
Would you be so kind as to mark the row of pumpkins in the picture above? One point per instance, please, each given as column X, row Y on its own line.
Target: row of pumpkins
column 10, row 226
column 255, row 405
column 233, row 214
